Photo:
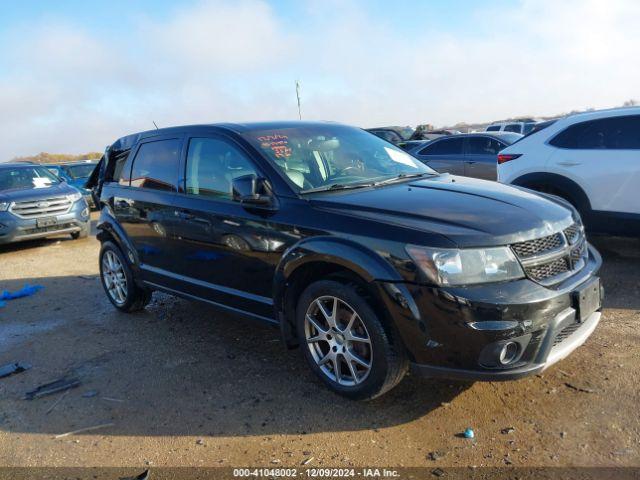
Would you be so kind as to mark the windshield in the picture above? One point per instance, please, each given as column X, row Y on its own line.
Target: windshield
column 333, row 156
column 19, row 178
column 80, row 171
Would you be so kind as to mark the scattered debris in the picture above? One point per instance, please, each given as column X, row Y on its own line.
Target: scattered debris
column 437, row 455
column 563, row 434
column 86, row 429
column 90, row 394
column 438, row 472
column 469, row 433
column 507, row 431
column 110, row 399
column 55, row 404
column 25, row 291
column 13, row 368
column 580, row 389
column 275, row 460
column 307, row 461
column 199, row 442
column 52, row 387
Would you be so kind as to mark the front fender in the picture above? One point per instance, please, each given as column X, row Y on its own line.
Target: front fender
column 352, row 256
column 349, row 254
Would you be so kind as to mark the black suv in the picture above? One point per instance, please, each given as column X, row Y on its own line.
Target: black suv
column 366, row 258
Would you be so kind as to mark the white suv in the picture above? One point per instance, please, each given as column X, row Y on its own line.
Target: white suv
column 591, row 159
column 516, row 127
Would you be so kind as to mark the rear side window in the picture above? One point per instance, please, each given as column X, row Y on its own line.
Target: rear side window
column 483, row 146
column 614, row 133
column 450, row 146
column 156, row 165
column 513, row 127
column 493, row 128
column 212, row 164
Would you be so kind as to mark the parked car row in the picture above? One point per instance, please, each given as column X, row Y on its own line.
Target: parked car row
column 367, row 259
column 590, row 159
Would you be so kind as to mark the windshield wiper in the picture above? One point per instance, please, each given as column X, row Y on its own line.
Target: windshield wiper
column 337, row 186
column 403, row 176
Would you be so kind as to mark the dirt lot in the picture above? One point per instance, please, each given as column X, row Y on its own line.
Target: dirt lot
column 183, row 384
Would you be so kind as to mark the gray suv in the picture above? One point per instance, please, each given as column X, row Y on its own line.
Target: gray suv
column 34, row 203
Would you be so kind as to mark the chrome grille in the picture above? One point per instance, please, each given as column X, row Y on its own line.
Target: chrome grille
column 551, row 259
column 546, row 270
column 42, row 207
column 539, row 245
column 572, row 233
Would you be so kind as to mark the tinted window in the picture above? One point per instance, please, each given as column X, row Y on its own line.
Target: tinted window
column 156, row 165
column 483, row 146
column 212, row 164
column 513, row 127
column 450, row 146
column 614, row 133
column 493, row 128
column 528, row 127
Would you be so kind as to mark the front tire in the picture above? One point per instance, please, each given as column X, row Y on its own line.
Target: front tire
column 118, row 281
column 344, row 342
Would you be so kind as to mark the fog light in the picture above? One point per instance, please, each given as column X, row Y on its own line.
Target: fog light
column 509, row 353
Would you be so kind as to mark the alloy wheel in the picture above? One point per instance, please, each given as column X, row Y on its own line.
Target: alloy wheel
column 338, row 341
column 114, row 277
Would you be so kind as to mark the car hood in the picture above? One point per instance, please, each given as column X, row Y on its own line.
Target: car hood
column 469, row 212
column 29, row 193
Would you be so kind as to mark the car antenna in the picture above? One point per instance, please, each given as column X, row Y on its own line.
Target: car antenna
column 154, row 124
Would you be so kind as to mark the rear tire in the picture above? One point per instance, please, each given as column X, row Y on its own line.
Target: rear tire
column 338, row 330
column 118, row 281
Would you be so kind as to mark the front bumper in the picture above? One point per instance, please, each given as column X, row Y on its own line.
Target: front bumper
column 16, row 229
column 451, row 332
column 548, row 355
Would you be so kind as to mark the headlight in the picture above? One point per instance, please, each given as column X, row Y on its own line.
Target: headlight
column 4, row 206
column 74, row 197
column 466, row 266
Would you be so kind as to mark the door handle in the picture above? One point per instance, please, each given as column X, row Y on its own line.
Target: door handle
column 569, row 164
column 181, row 214
column 470, row 162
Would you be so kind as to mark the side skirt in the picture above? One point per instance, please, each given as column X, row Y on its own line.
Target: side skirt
column 243, row 313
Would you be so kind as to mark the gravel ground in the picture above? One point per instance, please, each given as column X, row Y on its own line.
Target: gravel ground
column 185, row 385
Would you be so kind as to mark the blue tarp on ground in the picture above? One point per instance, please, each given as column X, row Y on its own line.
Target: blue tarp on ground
column 25, row 291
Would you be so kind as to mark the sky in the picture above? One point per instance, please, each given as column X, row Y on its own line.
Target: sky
column 76, row 75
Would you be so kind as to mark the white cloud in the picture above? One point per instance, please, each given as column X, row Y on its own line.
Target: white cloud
column 64, row 88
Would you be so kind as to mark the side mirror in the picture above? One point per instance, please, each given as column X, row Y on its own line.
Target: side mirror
column 251, row 190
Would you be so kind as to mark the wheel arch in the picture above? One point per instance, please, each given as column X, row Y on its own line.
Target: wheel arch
column 569, row 189
column 327, row 258
column 109, row 230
